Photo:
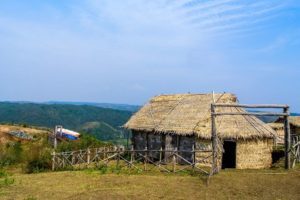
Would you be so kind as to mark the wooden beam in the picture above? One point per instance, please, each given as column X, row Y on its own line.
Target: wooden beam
column 250, row 113
column 251, row 106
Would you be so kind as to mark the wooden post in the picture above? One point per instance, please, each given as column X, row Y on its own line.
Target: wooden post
column 118, row 156
column 53, row 161
column 160, row 156
column 145, row 159
column 131, row 156
column 88, row 156
column 55, row 138
column 287, row 139
column 63, row 160
column 214, row 141
column 73, row 158
column 174, row 160
column 194, row 156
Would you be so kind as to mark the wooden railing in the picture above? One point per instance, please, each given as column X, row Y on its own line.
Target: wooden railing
column 295, row 149
column 141, row 160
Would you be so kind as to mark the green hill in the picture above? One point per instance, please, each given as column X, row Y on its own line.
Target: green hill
column 102, row 122
column 101, row 131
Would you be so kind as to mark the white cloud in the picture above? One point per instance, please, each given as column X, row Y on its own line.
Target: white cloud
column 122, row 49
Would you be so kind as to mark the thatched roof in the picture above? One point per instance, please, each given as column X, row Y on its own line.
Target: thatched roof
column 190, row 114
column 294, row 121
column 276, row 126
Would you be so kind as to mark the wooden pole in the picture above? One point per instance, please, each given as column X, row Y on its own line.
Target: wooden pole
column 55, row 138
column 145, row 159
column 251, row 113
column 131, row 156
column 73, row 158
column 251, row 106
column 63, row 160
column 194, row 157
column 160, row 156
column 53, row 161
column 214, row 140
column 287, row 139
column 174, row 159
column 118, row 157
column 88, row 156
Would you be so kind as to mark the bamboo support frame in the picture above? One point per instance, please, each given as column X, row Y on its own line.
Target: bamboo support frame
column 284, row 114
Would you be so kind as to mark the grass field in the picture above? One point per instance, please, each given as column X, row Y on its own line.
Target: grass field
column 229, row 184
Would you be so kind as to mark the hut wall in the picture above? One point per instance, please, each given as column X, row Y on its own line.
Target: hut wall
column 280, row 133
column 154, row 143
column 186, row 143
column 139, row 140
column 201, row 156
column 295, row 130
column 170, row 145
column 254, row 154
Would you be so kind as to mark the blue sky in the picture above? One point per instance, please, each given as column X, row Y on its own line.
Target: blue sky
column 125, row 51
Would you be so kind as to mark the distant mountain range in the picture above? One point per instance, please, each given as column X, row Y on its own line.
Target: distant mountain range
column 102, row 120
column 126, row 107
column 103, row 123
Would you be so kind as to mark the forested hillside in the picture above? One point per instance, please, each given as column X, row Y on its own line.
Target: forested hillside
column 126, row 107
column 78, row 117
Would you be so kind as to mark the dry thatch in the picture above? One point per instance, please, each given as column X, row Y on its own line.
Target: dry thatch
column 189, row 114
column 294, row 121
column 278, row 124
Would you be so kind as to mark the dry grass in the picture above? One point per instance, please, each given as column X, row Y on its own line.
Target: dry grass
column 5, row 129
column 259, row 184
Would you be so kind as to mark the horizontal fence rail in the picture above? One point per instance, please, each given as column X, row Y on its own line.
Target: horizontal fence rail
column 251, row 113
column 250, row 106
column 141, row 160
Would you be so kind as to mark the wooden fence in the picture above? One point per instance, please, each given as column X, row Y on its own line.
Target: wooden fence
column 141, row 160
column 295, row 149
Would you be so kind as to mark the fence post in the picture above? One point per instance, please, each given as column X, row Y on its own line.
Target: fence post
column 145, row 159
column 160, row 156
column 131, row 156
column 174, row 160
column 215, row 168
column 194, row 157
column 287, row 139
column 118, row 156
column 73, row 159
column 53, row 161
column 88, row 156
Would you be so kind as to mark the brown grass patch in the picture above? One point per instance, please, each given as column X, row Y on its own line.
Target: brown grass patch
column 231, row 184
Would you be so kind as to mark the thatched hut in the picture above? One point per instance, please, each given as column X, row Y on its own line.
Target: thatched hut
column 182, row 121
column 278, row 126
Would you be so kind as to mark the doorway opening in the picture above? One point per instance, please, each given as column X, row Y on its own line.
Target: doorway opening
column 229, row 155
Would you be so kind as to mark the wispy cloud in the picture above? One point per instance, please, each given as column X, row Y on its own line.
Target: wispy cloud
column 129, row 50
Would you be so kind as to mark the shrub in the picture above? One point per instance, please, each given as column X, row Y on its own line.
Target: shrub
column 85, row 141
column 12, row 153
column 37, row 165
column 38, row 160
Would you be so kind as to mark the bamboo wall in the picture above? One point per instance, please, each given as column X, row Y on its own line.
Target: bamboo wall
column 168, row 142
